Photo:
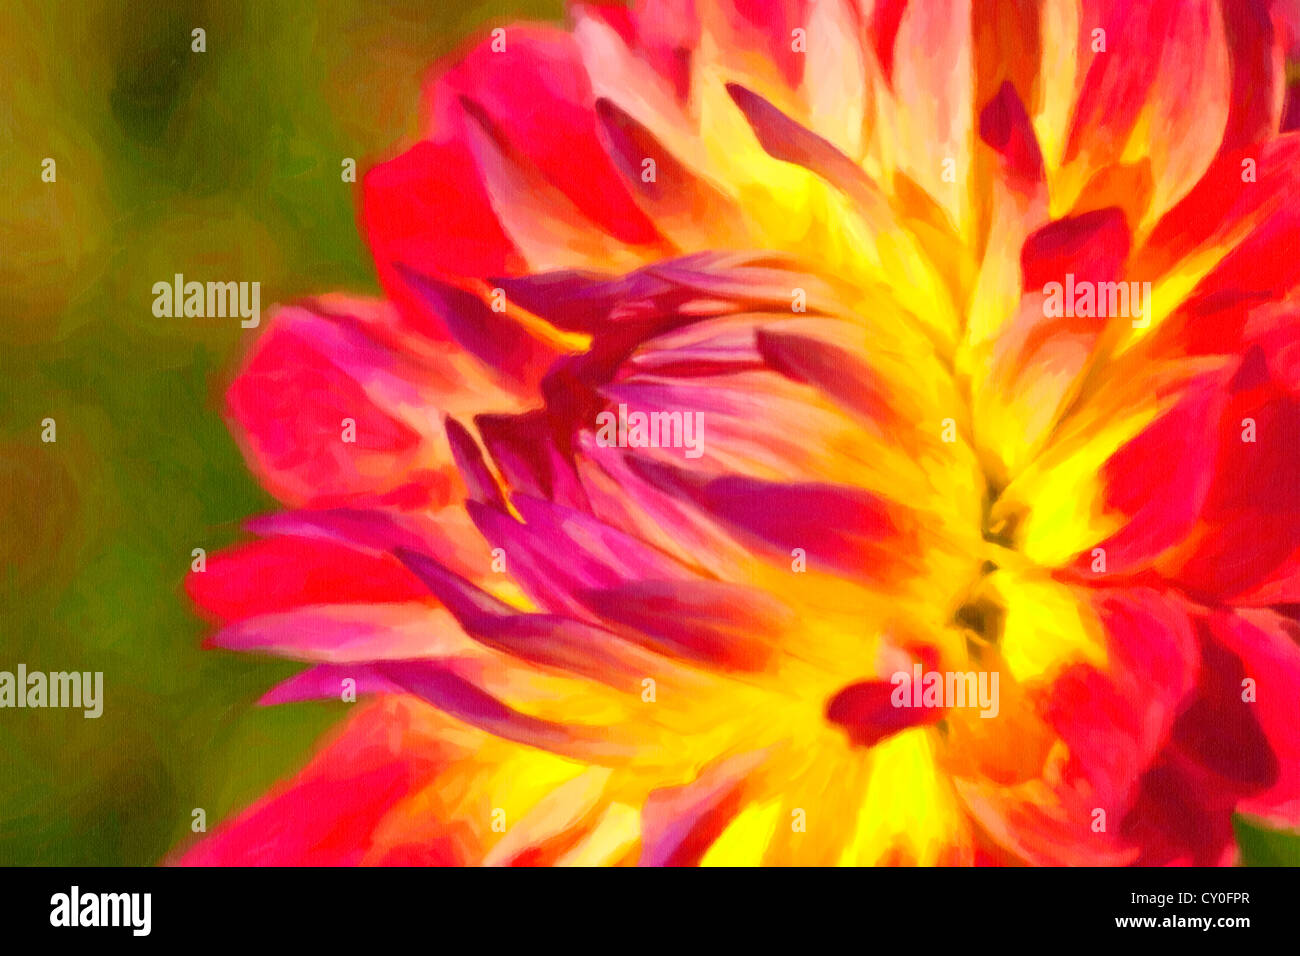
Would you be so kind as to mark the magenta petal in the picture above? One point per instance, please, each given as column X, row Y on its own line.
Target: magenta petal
column 325, row 682
column 459, row 698
column 347, row 633
column 479, row 481
column 495, row 338
column 550, row 640
column 792, row 142
column 835, row 371
column 712, row 621
column 558, row 552
column 846, row 530
column 524, row 448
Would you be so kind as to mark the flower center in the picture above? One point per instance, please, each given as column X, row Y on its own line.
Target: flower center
column 871, row 710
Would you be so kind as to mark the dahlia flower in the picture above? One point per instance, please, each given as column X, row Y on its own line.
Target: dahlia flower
column 850, row 237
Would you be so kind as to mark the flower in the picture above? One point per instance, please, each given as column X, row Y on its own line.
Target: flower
column 853, row 240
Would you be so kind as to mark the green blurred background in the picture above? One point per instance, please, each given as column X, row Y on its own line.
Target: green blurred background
column 223, row 164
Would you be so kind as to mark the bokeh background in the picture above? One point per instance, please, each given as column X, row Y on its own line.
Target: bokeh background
column 219, row 165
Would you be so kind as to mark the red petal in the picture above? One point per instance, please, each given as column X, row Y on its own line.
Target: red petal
column 310, row 371
column 428, row 210
column 283, row 573
column 868, row 715
column 329, row 813
column 537, row 95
